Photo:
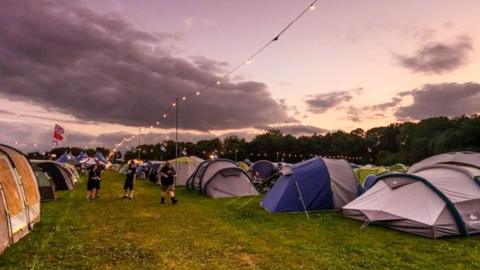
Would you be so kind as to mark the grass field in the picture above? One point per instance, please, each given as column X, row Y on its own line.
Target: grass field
column 203, row 233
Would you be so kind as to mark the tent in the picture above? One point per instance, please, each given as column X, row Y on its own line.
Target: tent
column 221, row 178
column 264, row 168
column 227, row 183
column 72, row 172
column 67, row 158
column 207, row 169
column 364, row 171
column 101, row 158
column 186, row 166
column 46, row 186
column 19, row 197
column 439, row 196
column 82, row 157
column 314, row 184
column 370, row 180
column 59, row 174
column 398, row 168
column 462, row 158
column 242, row 165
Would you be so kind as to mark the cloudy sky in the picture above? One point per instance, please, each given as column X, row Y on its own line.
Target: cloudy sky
column 102, row 69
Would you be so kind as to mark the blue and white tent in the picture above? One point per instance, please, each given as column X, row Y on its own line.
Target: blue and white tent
column 67, row 158
column 82, row 157
column 314, row 184
column 101, row 158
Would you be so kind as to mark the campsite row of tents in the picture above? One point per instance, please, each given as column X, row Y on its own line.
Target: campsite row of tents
column 437, row 197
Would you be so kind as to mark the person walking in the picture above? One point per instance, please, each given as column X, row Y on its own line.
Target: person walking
column 167, row 174
column 93, row 183
column 128, row 186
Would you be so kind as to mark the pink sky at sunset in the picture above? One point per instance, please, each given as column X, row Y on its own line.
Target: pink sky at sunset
column 344, row 65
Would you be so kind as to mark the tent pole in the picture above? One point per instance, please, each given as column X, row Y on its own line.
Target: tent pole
column 301, row 197
column 176, row 139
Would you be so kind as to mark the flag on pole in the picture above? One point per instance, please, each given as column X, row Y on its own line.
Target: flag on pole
column 58, row 135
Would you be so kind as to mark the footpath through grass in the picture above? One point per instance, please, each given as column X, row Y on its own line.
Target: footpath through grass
column 203, row 233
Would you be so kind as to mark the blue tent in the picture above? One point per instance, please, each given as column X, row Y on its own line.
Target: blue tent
column 82, row 157
column 264, row 167
column 370, row 180
column 314, row 184
column 67, row 158
column 101, row 158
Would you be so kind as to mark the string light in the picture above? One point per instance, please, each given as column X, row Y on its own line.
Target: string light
column 249, row 59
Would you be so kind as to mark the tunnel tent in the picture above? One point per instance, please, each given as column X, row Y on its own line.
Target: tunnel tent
column 227, row 183
column 185, row 166
column 311, row 185
column 59, row 175
column 19, row 197
column 206, row 170
column 26, row 181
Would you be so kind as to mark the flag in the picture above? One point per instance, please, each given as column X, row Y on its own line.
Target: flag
column 57, row 135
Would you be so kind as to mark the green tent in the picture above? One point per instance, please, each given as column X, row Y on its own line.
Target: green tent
column 45, row 184
column 365, row 171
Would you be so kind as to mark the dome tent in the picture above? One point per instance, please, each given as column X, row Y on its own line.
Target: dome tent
column 314, row 184
column 60, row 176
column 46, row 186
column 186, row 166
column 221, row 178
column 264, row 168
column 439, row 196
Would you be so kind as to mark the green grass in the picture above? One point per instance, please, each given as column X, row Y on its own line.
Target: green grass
column 203, row 233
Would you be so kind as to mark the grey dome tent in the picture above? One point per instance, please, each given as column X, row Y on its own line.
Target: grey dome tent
column 45, row 184
column 439, row 196
column 221, row 178
column 19, row 197
column 61, row 177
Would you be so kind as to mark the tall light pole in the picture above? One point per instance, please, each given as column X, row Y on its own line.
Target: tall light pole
column 139, row 142
column 176, row 137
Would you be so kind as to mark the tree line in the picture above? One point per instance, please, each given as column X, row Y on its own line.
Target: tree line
column 405, row 143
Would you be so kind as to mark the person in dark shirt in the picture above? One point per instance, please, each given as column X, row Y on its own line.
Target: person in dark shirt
column 167, row 179
column 93, row 183
column 129, row 181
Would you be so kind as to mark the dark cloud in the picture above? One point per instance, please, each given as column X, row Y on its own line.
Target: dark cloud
column 102, row 68
column 295, row 130
column 354, row 114
column 438, row 57
column 395, row 101
column 445, row 99
column 323, row 102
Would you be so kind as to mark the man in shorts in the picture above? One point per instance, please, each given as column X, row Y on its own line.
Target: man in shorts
column 167, row 178
column 129, row 181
